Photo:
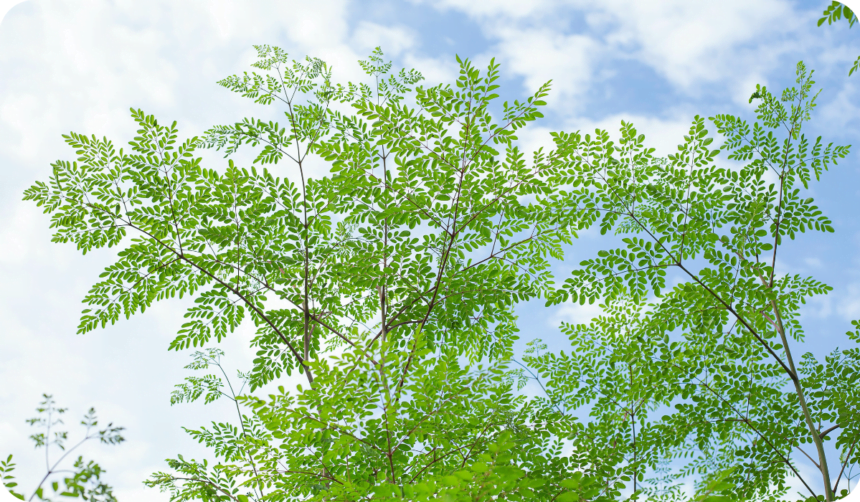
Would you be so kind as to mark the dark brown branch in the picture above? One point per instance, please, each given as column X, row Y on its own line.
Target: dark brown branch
column 829, row 430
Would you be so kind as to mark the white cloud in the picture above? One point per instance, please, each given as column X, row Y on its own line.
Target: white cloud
column 819, row 306
column 393, row 40
column 436, row 70
column 495, row 8
column 844, row 301
column 848, row 303
column 694, row 42
column 843, row 111
column 539, row 55
column 575, row 314
column 813, row 262
column 690, row 44
column 19, row 236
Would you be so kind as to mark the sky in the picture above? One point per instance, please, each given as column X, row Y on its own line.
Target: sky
column 79, row 66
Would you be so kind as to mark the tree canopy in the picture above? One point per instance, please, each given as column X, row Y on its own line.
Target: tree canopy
column 389, row 279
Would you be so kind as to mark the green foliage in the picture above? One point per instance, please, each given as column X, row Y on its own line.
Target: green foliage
column 381, row 255
column 833, row 13
column 836, row 11
column 363, row 431
column 412, row 213
column 409, row 254
column 702, row 373
column 855, row 66
column 6, row 468
column 196, row 386
column 85, row 480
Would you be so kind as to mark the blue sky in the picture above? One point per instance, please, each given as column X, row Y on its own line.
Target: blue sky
column 80, row 66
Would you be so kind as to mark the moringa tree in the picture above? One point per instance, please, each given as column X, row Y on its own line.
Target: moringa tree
column 387, row 278
column 373, row 281
column 704, row 377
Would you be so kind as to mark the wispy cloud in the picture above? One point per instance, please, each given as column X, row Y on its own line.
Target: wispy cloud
column 691, row 45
